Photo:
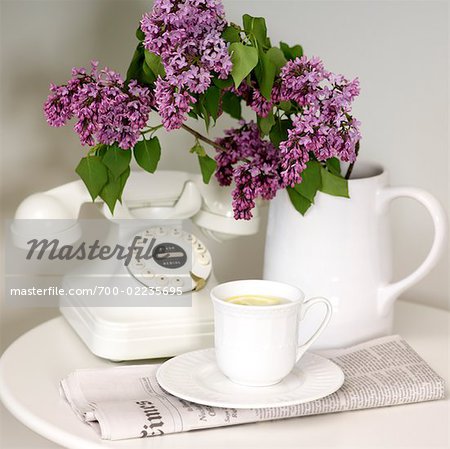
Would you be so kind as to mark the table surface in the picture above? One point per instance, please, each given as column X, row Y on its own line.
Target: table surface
column 28, row 388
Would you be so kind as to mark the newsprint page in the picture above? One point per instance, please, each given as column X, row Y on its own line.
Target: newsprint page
column 127, row 402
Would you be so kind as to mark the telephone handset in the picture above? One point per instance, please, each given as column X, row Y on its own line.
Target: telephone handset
column 163, row 195
column 129, row 333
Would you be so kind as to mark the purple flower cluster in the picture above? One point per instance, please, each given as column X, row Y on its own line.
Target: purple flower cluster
column 107, row 110
column 255, row 100
column 186, row 34
column 252, row 163
column 324, row 127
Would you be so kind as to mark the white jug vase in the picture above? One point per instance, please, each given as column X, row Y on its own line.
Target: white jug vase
column 341, row 249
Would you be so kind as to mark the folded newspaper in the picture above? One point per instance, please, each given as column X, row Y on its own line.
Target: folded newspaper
column 127, row 402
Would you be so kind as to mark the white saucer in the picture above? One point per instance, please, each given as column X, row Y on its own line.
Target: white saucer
column 195, row 377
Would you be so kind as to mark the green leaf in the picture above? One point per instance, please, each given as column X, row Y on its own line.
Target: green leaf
column 205, row 113
column 200, row 108
column 311, row 181
column 212, row 100
column 136, row 64
column 334, row 166
column 198, row 149
column 140, row 34
column 285, row 49
column 256, row 27
column 279, row 132
column 123, row 180
column 93, row 173
column 265, row 74
column 112, row 191
column 277, row 58
column 147, row 154
column 138, row 69
column 244, row 59
column 265, row 123
column 223, row 84
column 148, row 73
column 117, row 160
column 101, row 150
column 285, row 106
column 300, row 203
column 231, row 104
column 333, row 185
column 207, row 167
column 291, row 52
column 154, row 62
column 231, row 34
column 296, row 51
column 196, row 108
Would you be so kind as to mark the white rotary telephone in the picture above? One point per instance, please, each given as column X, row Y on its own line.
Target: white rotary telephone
column 139, row 332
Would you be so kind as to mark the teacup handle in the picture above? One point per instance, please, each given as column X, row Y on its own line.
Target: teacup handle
column 305, row 307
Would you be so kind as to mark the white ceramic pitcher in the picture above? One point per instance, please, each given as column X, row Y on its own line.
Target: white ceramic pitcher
column 341, row 249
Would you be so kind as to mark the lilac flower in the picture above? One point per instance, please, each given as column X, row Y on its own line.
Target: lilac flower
column 324, row 126
column 260, row 104
column 257, row 102
column 107, row 110
column 252, row 163
column 172, row 104
column 301, row 79
column 240, row 143
column 294, row 154
column 215, row 56
column 186, row 34
column 321, row 129
column 57, row 107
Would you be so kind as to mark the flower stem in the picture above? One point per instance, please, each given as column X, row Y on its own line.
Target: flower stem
column 196, row 134
column 94, row 149
column 350, row 167
column 151, row 129
column 199, row 136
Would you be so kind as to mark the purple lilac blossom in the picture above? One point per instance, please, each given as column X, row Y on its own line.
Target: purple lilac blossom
column 186, row 34
column 255, row 100
column 107, row 110
column 324, row 127
column 252, row 163
column 172, row 105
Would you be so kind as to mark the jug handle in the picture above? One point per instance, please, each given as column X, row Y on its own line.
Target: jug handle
column 388, row 293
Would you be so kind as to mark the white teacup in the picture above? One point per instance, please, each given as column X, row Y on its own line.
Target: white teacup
column 257, row 345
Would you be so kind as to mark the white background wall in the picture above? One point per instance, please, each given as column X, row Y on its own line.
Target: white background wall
column 399, row 50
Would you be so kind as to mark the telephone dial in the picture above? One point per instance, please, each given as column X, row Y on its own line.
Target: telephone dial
column 167, row 266
column 181, row 262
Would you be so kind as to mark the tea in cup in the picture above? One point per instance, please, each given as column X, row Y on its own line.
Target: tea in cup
column 256, row 300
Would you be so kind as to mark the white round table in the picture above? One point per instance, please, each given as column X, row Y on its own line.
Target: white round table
column 31, row 368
